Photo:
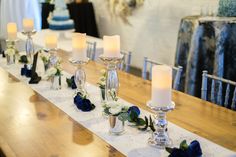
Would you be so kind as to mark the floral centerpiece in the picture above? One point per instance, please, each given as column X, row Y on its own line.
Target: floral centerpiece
column 11, row 53
column 124, row 8
column 102, row 84
column 136, row 121
column 185, row 150
column 117, row 114
column 83, row 103
column 54, row 73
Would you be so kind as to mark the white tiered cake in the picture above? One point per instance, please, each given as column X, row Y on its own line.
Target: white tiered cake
column 60, row 19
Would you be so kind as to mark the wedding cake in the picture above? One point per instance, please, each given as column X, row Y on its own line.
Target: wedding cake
column 227, row 8
column 60, row 19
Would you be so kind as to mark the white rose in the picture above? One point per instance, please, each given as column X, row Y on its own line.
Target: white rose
column 112, row 104
column 50, row 72
column 115, row 110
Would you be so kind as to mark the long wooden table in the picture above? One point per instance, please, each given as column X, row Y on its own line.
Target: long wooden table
column 32, row 126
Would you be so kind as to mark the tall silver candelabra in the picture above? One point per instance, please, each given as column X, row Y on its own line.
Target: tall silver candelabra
column 80, row 75
column 112, row 79
column 160, row 137
column 29, row 45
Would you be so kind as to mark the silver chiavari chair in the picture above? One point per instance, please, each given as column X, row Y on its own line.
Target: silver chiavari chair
column 91, row 50
column 216, row 93
column 177, row 71
column 125, row 64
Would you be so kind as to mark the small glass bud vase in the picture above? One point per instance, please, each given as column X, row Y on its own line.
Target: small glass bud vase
column 10, row 58
column 117, row 127
column 10, row 52
column 56, row 82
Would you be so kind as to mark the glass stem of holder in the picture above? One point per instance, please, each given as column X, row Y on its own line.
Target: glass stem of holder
column 80, row 78
column 53, row 59
column 29, row 47
column 112, row 80
column 160, row 137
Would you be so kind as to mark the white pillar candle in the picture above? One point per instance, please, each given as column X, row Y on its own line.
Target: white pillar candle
column 51, row 41
column 161, row 85
column 111, row 46
column 79, row 46
column 28, row 25
column 11, row 31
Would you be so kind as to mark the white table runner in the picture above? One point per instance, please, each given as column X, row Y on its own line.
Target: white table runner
column 134, row 142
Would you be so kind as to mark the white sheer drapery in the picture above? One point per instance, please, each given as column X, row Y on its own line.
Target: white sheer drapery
column 15, row 11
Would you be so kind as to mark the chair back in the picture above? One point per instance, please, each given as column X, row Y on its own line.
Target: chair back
column 148, row 64
column 217, row 94
column 125, row 64
column 91, row 50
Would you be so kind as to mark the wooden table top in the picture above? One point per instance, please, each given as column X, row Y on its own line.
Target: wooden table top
column 32, row 126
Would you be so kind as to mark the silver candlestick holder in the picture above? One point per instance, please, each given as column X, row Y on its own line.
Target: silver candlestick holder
column 11, row 51
column 112, row 79
column 160, row 137
column 29, row 45
column 80, row 75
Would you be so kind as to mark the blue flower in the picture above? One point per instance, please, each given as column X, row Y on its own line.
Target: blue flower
column 83, row 104
column 73, row 85
column 194, row 149
column 134, row 109
column 178, row 153
column 71, row 82
column 25, row 71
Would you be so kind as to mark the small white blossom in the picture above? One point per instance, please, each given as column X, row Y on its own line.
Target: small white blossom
column 50, row 72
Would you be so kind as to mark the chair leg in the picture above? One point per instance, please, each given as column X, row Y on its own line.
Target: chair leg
column 204, row 86
column 144, row 72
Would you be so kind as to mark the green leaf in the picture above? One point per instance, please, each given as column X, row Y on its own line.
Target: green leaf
column 151, row 125
column 106, row 111
column 69, row 82
column 123, row 116
column 183, row 145
column 146, row 125
column 140, row 122
column 169, row 150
